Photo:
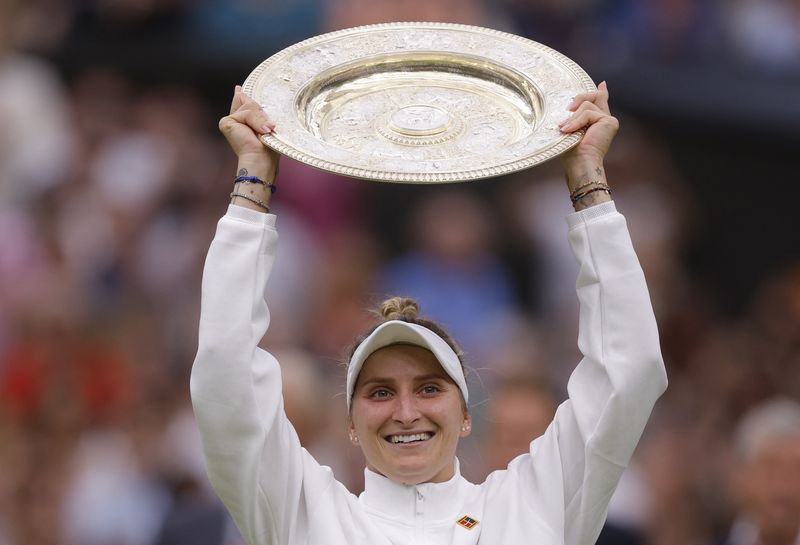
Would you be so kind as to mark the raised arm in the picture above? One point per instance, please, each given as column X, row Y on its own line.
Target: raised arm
column 573, row 469
column 614, row 387
column 254, row 458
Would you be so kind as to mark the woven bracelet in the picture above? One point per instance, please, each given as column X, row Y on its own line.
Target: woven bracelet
column 576, row 197
column 578, row 190
column 256, row 180
column 260, row 203
column 584, row 186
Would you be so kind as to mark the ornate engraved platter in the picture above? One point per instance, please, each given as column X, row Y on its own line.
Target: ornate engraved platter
column 418, row 102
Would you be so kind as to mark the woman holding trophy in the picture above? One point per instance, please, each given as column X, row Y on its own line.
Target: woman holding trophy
column 406, row 394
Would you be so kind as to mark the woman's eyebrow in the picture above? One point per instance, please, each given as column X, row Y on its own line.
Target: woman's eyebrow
column 433, row 376
column 391, row 380
column 377, row 380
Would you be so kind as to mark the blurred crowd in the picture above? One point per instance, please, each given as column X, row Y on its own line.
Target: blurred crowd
column 110, row 188
column 759, row 35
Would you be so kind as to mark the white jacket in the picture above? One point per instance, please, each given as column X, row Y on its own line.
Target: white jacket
column 556, row 494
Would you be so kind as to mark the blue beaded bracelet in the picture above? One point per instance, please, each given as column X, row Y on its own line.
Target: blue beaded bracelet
column 255, row 180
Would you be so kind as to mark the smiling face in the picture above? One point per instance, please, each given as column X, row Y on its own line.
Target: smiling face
column 408, row 415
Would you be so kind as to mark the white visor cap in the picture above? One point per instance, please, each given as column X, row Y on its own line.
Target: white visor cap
column 400, row 332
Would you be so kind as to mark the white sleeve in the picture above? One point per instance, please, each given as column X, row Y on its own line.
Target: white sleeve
column 575, row 466
column 255, row 461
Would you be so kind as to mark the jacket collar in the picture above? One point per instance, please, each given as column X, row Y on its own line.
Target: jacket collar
column 402, row 503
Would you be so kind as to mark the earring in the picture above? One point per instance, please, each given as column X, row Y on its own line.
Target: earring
column 353, row 438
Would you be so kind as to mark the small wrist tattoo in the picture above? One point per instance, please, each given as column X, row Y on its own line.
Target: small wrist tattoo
column 242, row 172
column 598, row 171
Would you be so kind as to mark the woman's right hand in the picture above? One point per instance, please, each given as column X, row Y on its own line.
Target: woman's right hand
column 242, row 128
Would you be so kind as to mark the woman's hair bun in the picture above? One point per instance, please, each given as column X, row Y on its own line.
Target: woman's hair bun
column 399, row 308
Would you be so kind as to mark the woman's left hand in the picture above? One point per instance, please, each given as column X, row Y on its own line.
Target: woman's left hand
column 590, row 111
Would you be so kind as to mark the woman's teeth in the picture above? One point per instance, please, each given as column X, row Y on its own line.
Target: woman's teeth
column 410, row 438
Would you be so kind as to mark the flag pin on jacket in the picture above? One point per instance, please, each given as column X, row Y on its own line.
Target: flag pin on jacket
column 467, row 522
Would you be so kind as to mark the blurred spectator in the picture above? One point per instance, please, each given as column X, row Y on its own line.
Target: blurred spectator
column 193, row 518
column 302, row 393
column 289, row 290
column 520, row 409
column 680, row 462
column 343, row 293
column 765, row 34
column 317, row 412
column 766, row 477
column 36, row 138
column 110, row 498
column 451, row 268
column 772, row 328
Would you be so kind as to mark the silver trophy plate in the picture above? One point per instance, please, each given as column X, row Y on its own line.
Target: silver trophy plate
column 418, row 102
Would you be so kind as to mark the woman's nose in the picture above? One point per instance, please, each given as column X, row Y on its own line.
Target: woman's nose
column 405, row 409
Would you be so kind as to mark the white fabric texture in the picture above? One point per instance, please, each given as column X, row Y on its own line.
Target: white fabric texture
column 558, row 493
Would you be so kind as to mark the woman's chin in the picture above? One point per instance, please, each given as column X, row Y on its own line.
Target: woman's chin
column 414, row 472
